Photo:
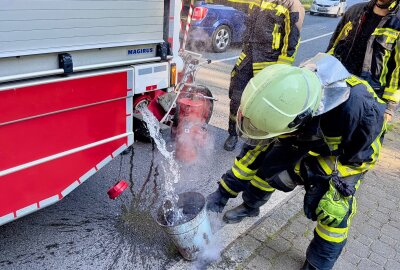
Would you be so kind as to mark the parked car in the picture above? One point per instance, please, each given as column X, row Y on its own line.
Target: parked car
column 329, row 7
column 216, row 26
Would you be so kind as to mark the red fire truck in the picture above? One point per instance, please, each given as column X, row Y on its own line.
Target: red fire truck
column 70, row 72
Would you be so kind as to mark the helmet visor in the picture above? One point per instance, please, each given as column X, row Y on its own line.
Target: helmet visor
column 248, row 133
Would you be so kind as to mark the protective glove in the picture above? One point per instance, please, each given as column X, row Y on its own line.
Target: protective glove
column 333, row 207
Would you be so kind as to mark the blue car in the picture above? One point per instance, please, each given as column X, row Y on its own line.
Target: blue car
column 216, row 26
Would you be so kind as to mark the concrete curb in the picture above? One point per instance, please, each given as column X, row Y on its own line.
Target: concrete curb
column 226, row 234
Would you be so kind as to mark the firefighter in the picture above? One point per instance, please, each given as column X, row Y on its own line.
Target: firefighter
column 367, row 42
column 317, row 126
column 272, row 36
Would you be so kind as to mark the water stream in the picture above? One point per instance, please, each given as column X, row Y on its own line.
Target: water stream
column 172, row 214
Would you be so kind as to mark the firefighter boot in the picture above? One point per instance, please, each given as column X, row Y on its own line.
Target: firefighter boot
column 238, row 213
column 231, row 142
column 216, row 201
column 307, row 266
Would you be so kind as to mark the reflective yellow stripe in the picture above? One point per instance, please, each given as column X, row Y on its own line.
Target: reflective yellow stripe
column 262, row 65
column 244, row 168
column 330, row 234
column 322, row 162
column 251, row 3
column 240, row 175
column 285, row 60
column 258, row 66
column 313, row 154
column 261, row 184
column 242, row 56
column 354, row 80
column 337, row 139
column 333, row 142
column 296, row 49
column 297, row 168
column 251, row 155
column 353, row 208
column 344, row 33
column 391, row 34
column 287, row 32
column 276, row 37
column 394, row 82
column 386, row 57
column 225, row 186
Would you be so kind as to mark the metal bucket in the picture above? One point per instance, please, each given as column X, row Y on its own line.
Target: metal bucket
column 194, row 232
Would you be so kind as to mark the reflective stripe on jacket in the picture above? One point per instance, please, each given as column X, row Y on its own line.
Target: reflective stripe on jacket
column 381, row 66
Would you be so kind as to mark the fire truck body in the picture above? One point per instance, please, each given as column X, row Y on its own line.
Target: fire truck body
column 69, row 74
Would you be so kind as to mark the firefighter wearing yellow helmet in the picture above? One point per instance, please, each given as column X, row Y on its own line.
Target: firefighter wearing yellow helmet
column 316, row 126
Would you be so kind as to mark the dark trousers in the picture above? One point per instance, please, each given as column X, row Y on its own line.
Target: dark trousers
column 241, row 74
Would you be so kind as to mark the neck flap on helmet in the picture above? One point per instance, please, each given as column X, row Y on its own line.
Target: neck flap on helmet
column 332, row 75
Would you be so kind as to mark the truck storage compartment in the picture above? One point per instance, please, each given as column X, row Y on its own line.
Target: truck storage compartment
column 34, row 33
column 56, row 133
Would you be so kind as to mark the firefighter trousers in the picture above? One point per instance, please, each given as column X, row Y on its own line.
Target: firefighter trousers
column 258, row 171
column 241, row 74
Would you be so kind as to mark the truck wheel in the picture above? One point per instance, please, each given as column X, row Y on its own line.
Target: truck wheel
column 311, row 13
column 221, row 39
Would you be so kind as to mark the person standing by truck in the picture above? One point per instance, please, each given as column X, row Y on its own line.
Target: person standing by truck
column 367, row 42
column 272, row 36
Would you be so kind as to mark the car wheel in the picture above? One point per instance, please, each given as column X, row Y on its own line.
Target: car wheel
column 221, row 39
column 311, row 13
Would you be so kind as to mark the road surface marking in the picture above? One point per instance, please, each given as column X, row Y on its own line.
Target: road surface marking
column 317, row 37
column 301, row 42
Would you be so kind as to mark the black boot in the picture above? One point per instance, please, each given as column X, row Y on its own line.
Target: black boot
column 240, row 212
column 230, row 143
column 307, row 266
column 216, row 201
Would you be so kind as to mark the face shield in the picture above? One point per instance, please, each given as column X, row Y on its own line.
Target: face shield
column 249, row 134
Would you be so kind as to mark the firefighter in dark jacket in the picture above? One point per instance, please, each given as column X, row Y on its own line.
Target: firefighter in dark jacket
column 367, row 42
column 316, row 126
column 272, row 36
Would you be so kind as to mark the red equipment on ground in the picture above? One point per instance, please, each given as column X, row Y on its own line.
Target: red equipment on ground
column 191, row 133
column 117, row 189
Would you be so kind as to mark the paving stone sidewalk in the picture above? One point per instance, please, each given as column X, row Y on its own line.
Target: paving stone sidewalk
column 280, row 240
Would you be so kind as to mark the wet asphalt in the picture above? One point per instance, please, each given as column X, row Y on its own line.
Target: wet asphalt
column 87, row 230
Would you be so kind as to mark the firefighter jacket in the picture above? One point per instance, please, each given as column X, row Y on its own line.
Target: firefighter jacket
column 381, row 65
column 272, row 29
column 356, row 139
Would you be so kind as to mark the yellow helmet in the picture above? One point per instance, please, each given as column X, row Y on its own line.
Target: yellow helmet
column 277, row 101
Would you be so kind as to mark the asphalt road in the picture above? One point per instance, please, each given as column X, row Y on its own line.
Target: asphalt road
column 88, row 231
